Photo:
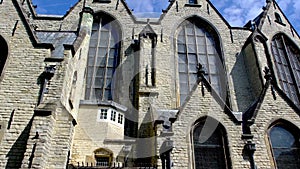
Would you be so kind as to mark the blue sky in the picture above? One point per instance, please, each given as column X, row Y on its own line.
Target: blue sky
column 236, row 12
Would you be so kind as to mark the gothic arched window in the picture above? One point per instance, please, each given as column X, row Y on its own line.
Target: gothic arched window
column 210, row 147
column 284, row 144
column 3, row 53
column 198, row 43
column 103, row 58
column 287, row 61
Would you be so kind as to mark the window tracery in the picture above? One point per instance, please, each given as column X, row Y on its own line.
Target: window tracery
column 198, row 44
column 103, row 58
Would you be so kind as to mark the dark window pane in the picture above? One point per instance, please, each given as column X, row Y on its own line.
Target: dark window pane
column 209, row 148
column 285, row 148
column 98, row 82
column 111, row 62
column 192, row 1
column 200, row 32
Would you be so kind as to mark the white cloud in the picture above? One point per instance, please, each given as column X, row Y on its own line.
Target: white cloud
column 141, row 6
column 234, row 15
column 291, row 8
column 236, row 12
column 239, row 12
column 221, row 4
column 284, row 4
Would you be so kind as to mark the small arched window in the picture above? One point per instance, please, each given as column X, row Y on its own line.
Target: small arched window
column 287, row 61
column 210, row 148
column 278, row 18
column 103, row 157
column 3, row 53
column 197, row 43
column 284, row 144
column 103, row 58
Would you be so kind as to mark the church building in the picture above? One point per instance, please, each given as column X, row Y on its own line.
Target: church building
column 102, row 88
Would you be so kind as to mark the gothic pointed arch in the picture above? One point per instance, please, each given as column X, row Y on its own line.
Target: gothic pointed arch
column 284, row 144
column 199, row 43
column 3, row 54
column 210, row 145
column 286, row 57
column 103, row 57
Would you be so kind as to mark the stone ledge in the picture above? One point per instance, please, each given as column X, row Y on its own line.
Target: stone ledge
column 103, row 103
column 120, row 141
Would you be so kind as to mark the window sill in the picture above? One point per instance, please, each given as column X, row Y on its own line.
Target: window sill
column 192, row 5
column 111, row 104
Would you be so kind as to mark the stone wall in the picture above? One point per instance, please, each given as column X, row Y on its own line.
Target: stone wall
column 44, row 136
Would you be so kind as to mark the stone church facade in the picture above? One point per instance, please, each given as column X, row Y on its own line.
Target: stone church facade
column 100, row 88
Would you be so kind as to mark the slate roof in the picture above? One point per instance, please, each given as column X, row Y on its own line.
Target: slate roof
column 58, row 39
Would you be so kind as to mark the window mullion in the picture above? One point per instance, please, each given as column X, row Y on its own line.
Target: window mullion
column 207, row 59
column 224, row 150
column 106, row 63
column 95, row 61
column 196, row 43
column 187, row 58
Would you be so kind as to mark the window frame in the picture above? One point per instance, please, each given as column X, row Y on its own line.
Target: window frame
column 289, row 127
column 103, row 24
column 214, row 35
column 103, row 114
column 287, row 59
column 224, row 137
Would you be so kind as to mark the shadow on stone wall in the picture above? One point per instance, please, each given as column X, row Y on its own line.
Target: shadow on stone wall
column 16, row 153
column 145, row 148
column 241, row 83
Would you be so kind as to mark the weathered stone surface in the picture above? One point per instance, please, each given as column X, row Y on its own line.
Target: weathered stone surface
column 52, row 125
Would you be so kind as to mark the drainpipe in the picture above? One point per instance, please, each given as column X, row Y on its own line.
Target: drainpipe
column 249, row 150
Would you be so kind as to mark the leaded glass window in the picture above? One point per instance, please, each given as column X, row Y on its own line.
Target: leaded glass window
column 210, row 151
column 285, row 148
column 103, row 59
column 287, row 61
column 103, row 114
column 198, row 44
